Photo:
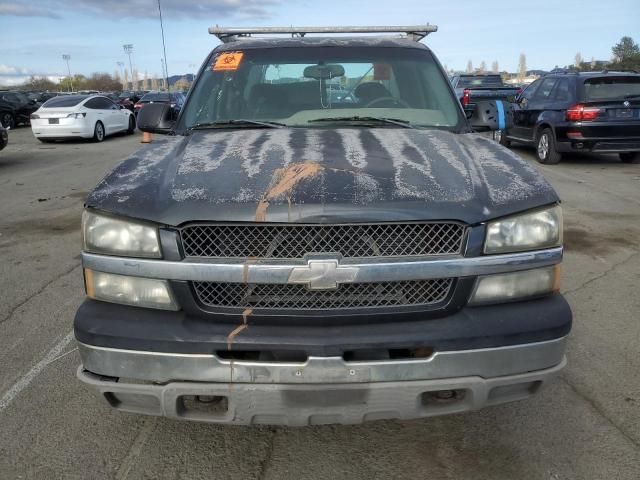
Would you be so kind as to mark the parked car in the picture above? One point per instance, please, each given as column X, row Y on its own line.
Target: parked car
column 80, row 116
column 7, row 114
column 174, row 99
column 4, row 137
column 472, row 88
column 271, row 258
column 128, row 99
column 16, row 107
column 596, row 112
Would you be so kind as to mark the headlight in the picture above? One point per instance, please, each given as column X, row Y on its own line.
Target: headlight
column 516, row 285
column 540, row 229
column 102, row 234
column 136, row 291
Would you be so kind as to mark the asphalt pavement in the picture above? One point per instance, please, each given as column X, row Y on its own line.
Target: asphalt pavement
column 584, row 425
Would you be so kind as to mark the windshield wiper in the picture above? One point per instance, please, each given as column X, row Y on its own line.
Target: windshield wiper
column 237, row 123
column 635, row 95
column 393, row 121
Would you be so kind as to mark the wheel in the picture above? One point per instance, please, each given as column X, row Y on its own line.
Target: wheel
column 98, row 132
column 132, row 125
column 8, row 120
column 629, row 157
column 546, row 148
column 500, row 137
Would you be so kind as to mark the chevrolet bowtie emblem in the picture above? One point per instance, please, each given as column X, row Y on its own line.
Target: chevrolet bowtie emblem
column 324, row 274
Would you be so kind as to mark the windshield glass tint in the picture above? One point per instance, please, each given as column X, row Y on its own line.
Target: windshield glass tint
column 296, row 86
column 611, row 88
column 64, row 101
column 488, row 81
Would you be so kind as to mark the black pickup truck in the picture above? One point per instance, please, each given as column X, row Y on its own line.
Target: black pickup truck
column 473, row 88
column 280, row 256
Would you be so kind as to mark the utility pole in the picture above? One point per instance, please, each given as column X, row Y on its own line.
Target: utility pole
column 164, row 48
column 163, row 71
column 66, row 58
column 128, row 49
column 121, row 68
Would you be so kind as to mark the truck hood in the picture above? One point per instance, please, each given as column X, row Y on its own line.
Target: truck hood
column 321, row 175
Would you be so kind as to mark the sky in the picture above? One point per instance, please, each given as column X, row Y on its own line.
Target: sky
column 36, row 33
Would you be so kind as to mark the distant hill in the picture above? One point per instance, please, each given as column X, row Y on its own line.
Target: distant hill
column 174, row 78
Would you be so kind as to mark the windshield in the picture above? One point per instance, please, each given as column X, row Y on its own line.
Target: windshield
column 611, row 88
column 480, row 81
column 299, row 86
column 64, row 101
column 155, row 97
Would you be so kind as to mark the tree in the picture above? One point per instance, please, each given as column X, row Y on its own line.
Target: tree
column 578, row 61
column 102, row 82
column 125, row 80
column 154, row 83
column 182, row 84
column 39, row 84
column 626, row 55
column 494, row 67
column 522, row 67
column 593, row 63
column 145, row 81
column 483, row 67
column 469, row 66
column 135, row 79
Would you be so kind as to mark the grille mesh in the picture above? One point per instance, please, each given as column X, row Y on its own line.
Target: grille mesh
column 294, row 241
column 298, row 297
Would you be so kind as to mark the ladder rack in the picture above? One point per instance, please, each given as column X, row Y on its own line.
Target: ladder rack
column 413, row 32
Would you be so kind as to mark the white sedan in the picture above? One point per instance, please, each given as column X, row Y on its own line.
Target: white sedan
column 80, row 116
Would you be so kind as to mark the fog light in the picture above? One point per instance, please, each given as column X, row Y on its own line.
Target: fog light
column 517, row 285
column 136, row 291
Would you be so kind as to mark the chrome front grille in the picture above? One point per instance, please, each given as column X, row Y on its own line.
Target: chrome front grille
column 297, row 240
column 298, row 297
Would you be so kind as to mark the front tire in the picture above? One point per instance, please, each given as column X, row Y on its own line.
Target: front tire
column 629, row 157
column 132, row 125
column 98, row 132
column 546, row 148
column 8, row 120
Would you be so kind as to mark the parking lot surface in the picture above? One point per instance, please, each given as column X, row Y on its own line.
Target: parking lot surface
column 585, row 425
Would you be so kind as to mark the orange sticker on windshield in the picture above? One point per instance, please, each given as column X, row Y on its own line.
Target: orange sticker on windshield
column 228, row 61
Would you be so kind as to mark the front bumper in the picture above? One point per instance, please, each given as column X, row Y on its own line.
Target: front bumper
column 321, row 390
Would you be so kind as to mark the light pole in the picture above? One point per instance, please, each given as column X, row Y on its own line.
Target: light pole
column 121, row 72
column 66, row 58
column 164, row 48
column 162, row 66
column 128, row 49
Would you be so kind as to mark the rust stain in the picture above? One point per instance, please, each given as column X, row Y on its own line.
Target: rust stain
column 283, row 181
column 245, row 269
column 233, row 334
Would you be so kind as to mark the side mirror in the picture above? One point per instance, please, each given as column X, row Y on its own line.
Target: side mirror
column 492, row 115
column 155, row 118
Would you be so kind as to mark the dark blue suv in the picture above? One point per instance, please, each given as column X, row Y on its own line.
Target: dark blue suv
column 595, row 112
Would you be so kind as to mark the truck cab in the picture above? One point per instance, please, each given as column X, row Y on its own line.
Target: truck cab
column 281, row 254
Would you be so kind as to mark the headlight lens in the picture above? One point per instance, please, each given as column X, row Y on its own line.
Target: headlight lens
column 516, row 285
column 136, row 291
column 540, row 229
column 102, row 234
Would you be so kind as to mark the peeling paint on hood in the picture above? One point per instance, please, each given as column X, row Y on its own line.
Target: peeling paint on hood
column 359, row 174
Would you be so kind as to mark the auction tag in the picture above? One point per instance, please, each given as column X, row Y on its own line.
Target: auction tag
column 228, row 61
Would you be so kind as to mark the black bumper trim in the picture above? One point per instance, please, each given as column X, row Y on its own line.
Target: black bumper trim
column 131, row 328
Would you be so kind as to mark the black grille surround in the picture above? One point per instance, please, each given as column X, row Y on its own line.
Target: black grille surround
column 346, row 296
column 359, row 240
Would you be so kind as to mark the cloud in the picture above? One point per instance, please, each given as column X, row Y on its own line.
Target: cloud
column 11, row 76
column 171, row 9
column 19, row 10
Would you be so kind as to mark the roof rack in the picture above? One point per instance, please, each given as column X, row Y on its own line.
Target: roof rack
column 413, row 32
